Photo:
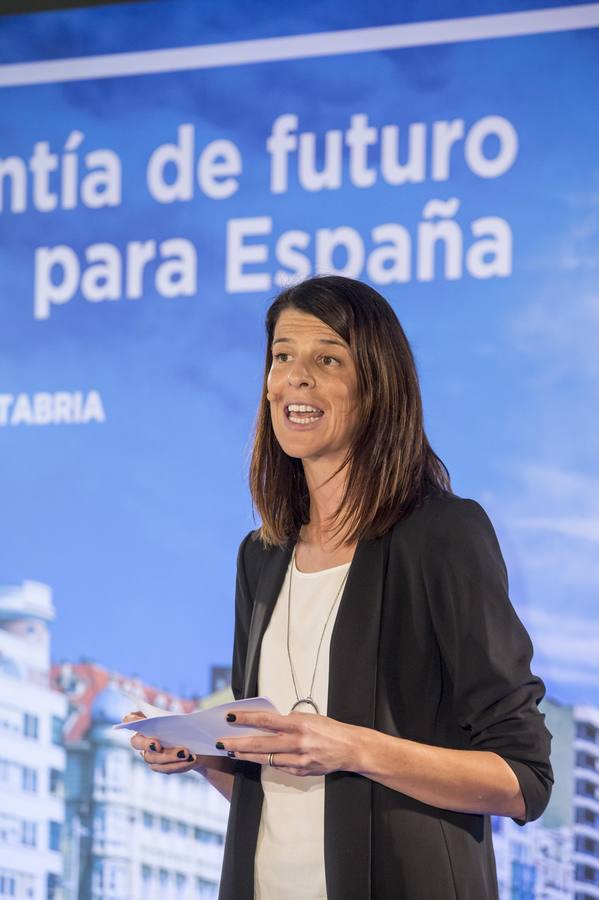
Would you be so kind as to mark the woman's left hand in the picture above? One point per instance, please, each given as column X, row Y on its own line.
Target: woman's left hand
column 301, row 743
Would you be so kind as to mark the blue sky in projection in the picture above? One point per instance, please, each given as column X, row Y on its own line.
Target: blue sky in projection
column 134, row 523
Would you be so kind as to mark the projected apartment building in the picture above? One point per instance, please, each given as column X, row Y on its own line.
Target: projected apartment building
column 130, row 832
column 32, row 755
column 82, row 817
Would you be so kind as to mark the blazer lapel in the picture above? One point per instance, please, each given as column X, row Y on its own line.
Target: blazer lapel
column 352, row 699
column 353, row 663
column 268, row 588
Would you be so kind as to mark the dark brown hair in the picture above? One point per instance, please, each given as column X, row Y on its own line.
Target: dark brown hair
column 391, row 465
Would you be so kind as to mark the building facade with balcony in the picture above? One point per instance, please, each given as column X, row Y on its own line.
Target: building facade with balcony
column 132, row 834
column 585, row 785
column 32, row 756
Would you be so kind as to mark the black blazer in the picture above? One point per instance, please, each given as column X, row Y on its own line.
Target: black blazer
column 426, row 646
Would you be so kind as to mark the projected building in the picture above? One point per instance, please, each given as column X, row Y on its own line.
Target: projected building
column 32, row 758
column 132, row 833
column 575, row 800
column 558, row 857
column 82, row 817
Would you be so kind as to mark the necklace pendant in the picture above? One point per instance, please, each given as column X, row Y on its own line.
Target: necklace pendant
column 308, row 701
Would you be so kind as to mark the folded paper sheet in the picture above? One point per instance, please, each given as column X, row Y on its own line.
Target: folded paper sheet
column 196, row 731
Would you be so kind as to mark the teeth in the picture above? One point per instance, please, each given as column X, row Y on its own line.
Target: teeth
column 301, row 407
column 304, row 420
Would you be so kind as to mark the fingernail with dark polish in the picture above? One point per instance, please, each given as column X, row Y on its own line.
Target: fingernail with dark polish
column 231, row 753
column 219, row 745
column 231, row 717
column 190, row 757
column 153, row 748
column 181, row 754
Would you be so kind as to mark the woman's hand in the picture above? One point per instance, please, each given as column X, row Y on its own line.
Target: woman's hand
column 167, row 760
column 301, row 743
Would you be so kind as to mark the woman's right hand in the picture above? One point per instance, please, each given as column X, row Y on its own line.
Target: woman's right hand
column 168, row 760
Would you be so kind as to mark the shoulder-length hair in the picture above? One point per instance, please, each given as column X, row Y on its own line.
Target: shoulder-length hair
column 391, row 466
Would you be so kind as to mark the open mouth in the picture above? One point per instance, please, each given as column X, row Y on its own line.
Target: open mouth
column 303, row 413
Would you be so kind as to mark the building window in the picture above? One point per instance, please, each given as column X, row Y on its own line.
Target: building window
column 8, row 885
column 10, row 774
column 30, row 726
column 206, row 890
column 585, row 788
column 29, row 833
column 586, row 731
column 54, row 836
column 148, row 820
column 587, row 845
column 586, row 760
column 146, row 873
column 587, row 873
column 165, row 824
column 29, row 779
column 163, row 875
column 585, row 816
column 523, row 881
column 56, row 782
column 57, row 726
column 53, row 886
column 208, row 837
column 182, row 829
column 181, row 881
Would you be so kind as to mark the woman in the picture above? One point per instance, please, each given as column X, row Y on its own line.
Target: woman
column 372, row 608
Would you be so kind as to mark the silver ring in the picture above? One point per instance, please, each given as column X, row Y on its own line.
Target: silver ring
column 142, row 753
column 270, row 760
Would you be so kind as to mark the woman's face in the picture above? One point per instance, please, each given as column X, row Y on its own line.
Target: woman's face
column 312, row 366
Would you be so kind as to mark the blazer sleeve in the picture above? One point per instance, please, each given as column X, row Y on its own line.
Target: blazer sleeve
column 244, row 603
column 485, row 648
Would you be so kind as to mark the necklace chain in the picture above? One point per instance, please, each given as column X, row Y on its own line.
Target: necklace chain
column 308, row 699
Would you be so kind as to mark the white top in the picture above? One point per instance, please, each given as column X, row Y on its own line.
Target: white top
column 289, row 860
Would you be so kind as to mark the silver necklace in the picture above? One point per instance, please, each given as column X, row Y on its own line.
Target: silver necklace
column 308, row 700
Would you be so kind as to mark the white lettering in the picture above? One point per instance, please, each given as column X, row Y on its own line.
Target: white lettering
column 391, row 261
column 14, row 168
column 177, row 277
column 59, row 274
column 41, row 164
column 359, row 137
column 5, row 403
column 348, row 239
column 102, row 187
column 219, row 166
column 492, row 254
column 240, row 254
column 414, row 168
column 102, row 281
column 506, row 135
column 330, row 174
column 139, row 253
column 445, row 135
column 287, row 252
column 429, row 233
column 47, row 291
column 70, row 171
column 179, row 157
column 279, row 145
column 46, row 408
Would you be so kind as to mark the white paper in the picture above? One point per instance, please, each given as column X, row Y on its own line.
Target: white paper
column 196, row 731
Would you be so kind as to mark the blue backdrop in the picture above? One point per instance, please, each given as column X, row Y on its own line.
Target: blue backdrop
column 149, row 218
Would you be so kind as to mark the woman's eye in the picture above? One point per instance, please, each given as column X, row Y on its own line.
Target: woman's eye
column 327, row 360
column 278, row 356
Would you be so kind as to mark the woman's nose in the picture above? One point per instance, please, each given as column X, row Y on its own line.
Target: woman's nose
column 299, row 376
